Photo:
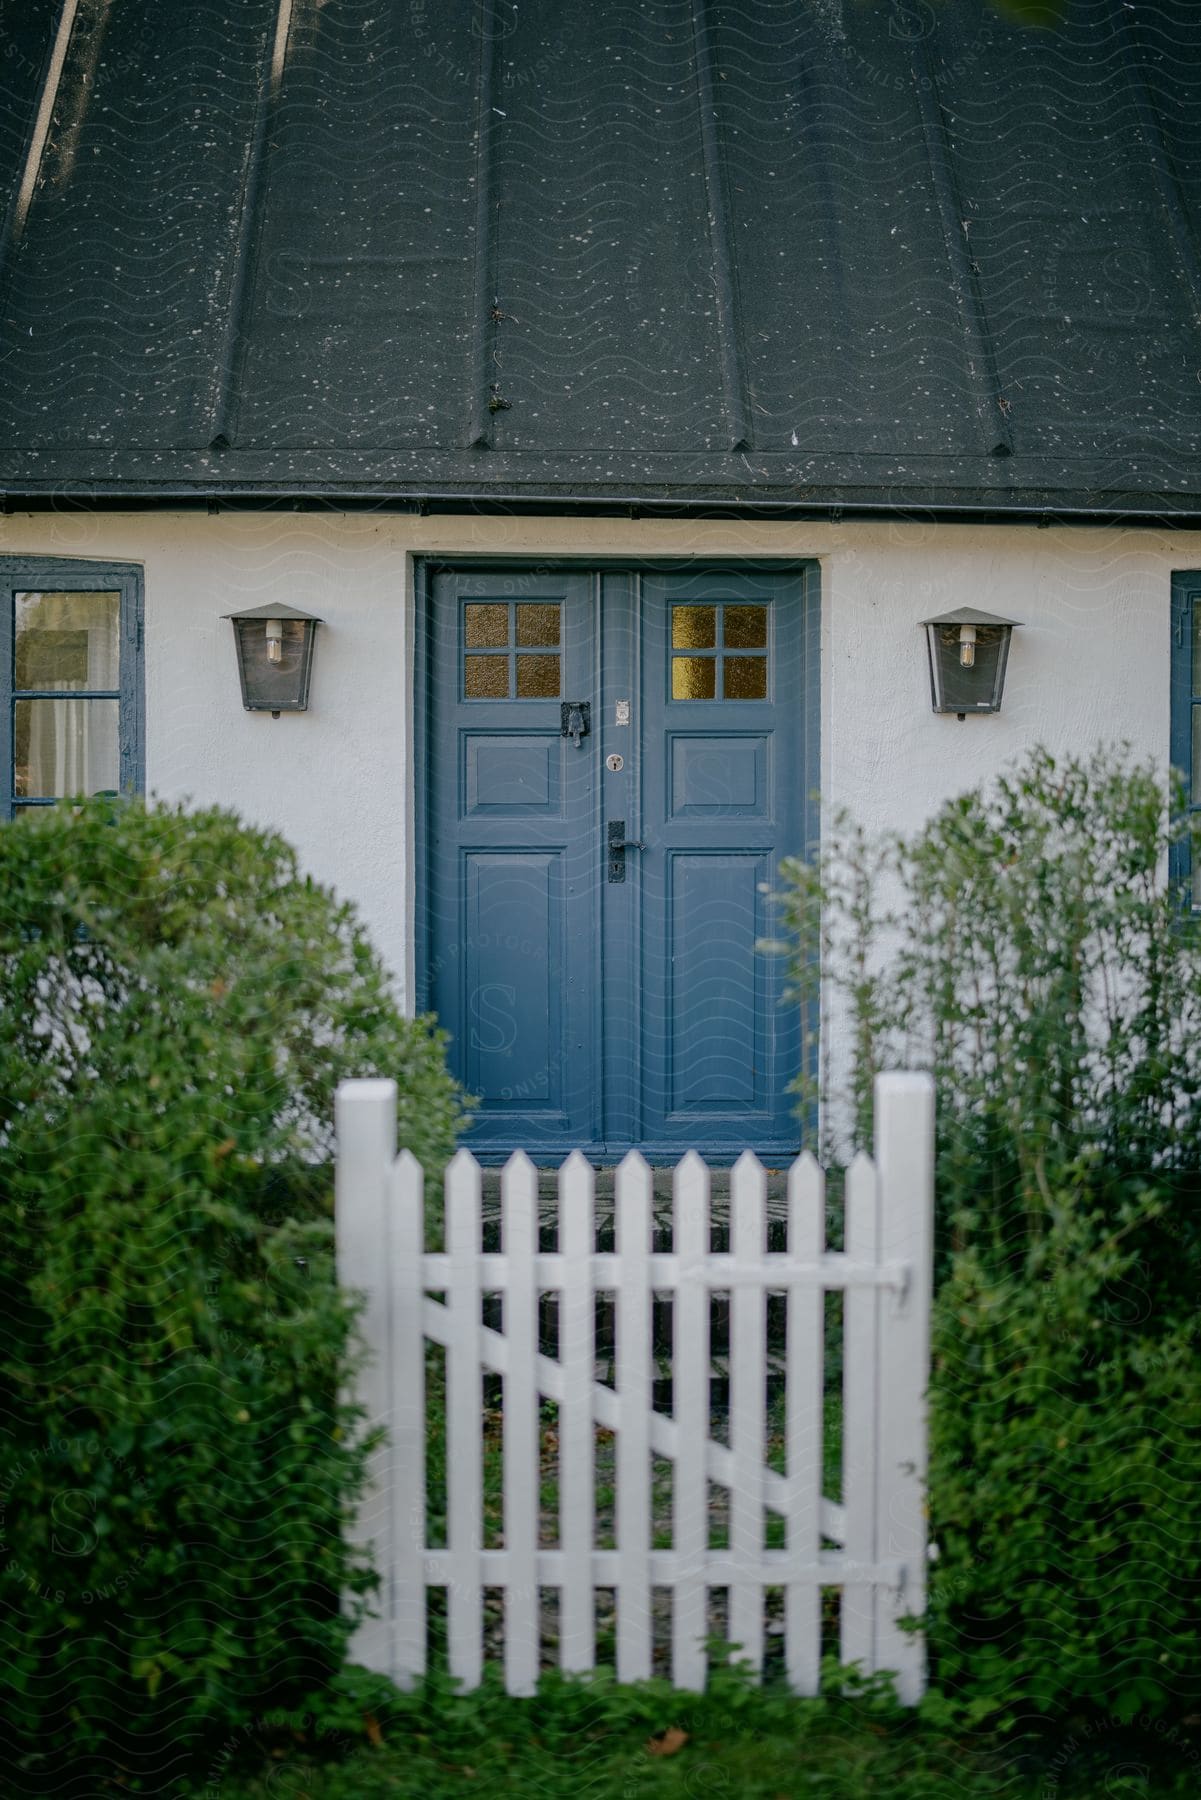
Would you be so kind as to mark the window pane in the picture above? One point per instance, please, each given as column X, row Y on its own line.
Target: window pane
column 538, row 677
column 65, row 747
column 486, row 625
column 1196, row 755
column 486, row 678
column 693, row 627
column 537, row 625
column 693, row 677
column 746, row 627
column 67, row 640
column 746, row 678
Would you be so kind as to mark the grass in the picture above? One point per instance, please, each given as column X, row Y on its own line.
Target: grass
column 593, row 1740
column 589, row 1738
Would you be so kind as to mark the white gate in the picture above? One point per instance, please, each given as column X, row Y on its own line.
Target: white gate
column 870, row 1544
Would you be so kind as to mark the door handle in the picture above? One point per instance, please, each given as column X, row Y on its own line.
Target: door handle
column 616, row 845
column 575, row 720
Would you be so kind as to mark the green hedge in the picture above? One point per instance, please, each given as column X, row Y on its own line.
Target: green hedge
column 1025, row 947
column 177, row 1005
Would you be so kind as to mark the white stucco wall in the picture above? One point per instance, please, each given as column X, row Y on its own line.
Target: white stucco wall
column 1090, row 663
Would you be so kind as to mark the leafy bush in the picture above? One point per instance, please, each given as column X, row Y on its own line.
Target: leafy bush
column 1025, row 948
column 178, row 1004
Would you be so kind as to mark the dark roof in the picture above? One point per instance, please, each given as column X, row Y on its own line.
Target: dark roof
column 809, row 252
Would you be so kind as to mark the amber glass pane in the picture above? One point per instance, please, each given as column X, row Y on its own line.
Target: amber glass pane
column 693, row 677
column 538, row 677
column 746, row 627
column 65, row 747
column 487, row 625
column 486, row 677
column 693, row 627
column 746, row 678
column 67, row 641
column 537, row 625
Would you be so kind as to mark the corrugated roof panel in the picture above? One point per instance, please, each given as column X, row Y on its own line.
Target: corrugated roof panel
column 27, row 32
column 359, row 330
column 683, row 251
column 1091, row 319
column 120, row 283
column 850, row 321
column 604, row 261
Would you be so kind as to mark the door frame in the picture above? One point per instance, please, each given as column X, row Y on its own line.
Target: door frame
column 428, row 564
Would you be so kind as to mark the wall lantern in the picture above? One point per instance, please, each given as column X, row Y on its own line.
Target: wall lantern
column 968, row 652
column 275, row 657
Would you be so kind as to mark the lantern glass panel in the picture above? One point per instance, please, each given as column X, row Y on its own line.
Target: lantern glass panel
column 276, row 686
column 973, row 689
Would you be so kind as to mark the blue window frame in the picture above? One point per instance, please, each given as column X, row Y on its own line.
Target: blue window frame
column 72, row 709
column 1186, row 718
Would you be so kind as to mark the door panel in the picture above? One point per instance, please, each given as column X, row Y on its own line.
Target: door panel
column 594, row 906
column 716, row 1016
column 513, row 959
column 511, row 851
column 724, row 787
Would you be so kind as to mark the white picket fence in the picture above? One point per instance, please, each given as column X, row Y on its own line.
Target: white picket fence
column 871, row 1545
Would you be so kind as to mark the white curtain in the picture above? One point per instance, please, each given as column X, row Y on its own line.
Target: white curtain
column 73, row 744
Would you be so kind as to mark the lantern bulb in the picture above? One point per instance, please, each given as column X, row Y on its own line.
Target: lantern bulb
column 967, row 646
column 275, row 640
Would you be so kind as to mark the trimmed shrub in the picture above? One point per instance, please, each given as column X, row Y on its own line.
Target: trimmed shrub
column 177, row 1005
column 1025, row 948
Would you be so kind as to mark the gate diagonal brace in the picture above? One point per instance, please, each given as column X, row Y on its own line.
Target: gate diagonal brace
column 664, row 1433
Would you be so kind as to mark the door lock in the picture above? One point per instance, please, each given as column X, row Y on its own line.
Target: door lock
column 575, row 718
column 616, row 845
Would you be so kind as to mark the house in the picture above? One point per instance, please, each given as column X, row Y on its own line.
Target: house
column 621, row 386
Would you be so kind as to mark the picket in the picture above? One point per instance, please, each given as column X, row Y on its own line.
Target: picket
column 406, row 1203
column 634, row 1191
column 878, row 1529
column 804, row 1426
column 577, row 1436
column 906, row 1175
column 690, row 1402
column 748, row 1351
column 365, row 1120
column 859, row 1412
column 464, row 1422
column 519, row 1229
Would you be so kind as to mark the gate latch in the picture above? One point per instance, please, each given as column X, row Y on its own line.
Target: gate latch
column 575, row 718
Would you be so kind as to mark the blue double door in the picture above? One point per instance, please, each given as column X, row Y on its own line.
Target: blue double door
column 617, row 759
